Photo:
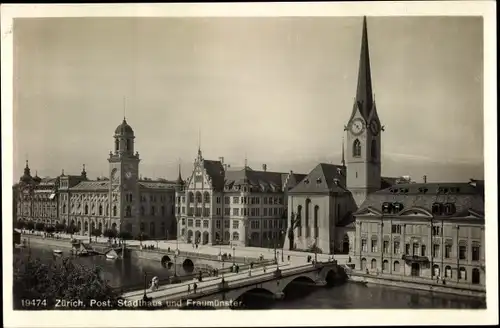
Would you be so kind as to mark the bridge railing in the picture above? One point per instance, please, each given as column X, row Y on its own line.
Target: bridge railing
column 174, row 280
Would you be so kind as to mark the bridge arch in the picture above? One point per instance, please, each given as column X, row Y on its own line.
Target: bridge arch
column 253, row 298
column 165, row 259
column 188, row 264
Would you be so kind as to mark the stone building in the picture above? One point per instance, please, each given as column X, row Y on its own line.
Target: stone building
column 123, row 201
column 246, row 207
column 425, row 230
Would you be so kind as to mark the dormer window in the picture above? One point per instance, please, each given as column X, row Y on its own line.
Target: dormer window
column 306, row 181
column 318, row 180
column 386, row 207
column 398, row 207
column 449, row 209
column 437, row 208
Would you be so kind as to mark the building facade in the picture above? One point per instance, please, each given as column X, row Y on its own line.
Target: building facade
column 244, row 207
column 427, row 230
column 123, row 201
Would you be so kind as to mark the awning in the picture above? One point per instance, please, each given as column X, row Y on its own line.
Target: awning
column 415, row 258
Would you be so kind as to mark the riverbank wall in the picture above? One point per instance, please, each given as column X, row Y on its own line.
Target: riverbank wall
column 426, row 285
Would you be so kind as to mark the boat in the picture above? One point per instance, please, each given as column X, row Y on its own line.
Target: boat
column 111, row 256
column 57, row 252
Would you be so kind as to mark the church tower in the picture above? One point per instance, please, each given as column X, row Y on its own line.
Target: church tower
column 363, row 133
column 124, row 177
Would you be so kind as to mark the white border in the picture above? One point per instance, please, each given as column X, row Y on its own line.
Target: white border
column 222, row 318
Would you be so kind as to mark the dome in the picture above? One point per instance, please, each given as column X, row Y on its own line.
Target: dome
column 37, row 179
column 124, row 128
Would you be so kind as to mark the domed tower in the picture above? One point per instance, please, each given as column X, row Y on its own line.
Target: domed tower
column 36, row 178
column 26, row 178
column 124, row 176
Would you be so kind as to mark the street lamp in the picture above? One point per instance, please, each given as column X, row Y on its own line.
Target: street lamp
column 145, row 283
column 282, row 248
column 234, row 252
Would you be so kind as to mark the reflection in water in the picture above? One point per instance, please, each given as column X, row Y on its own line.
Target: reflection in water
column 297, row 296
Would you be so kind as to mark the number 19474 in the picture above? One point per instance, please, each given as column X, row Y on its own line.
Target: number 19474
column 33, row 303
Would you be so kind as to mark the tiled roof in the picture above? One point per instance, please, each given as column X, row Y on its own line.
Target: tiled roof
column 157, row 184
column 322, row 179
column 91, row 185
column 260, row 181
column 386, row 182
column 464, row 196
column 215, row 171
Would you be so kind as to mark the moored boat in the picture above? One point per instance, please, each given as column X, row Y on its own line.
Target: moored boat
column 57, row 251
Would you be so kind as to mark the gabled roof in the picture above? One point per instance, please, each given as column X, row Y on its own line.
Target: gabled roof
column 215, row 172
column 258, row 181
column 464, row 196
column 91, row 186
column 157, row 184
column 324, row 178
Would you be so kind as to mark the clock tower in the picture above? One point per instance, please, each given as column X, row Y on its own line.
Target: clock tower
column 363, row 133
column 124, row 178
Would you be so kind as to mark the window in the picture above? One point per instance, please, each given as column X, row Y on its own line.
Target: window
column 374, row 246
column 198, row 197
column 447, row 272
column 152, row 210
column 407, row 249
column 476, row 276
column 206, row 197
column 416, row 248
column 217, row 211
column 475, row 252
column 217, row 200
column 236, row 211
column 190, row 222
column 86, row 209
column 236, row 236
column 396, row 228
column 227, row 200
column 436, row 231
column 100, row 209
column 364, row 246
column 264, row 225
column 265, row 200
column 205, row 223
column 114, row 211
column 356, row 148
column 265, row 211
column 435, row 250
column 227, row 211
column 236, row 224
column 396, row 247
column 447, row 251
column 226, row 224
column 163, row 210
column 197, row 223
column 183, row 221
column 386, row 246
column 422, row 250
column 236, row 200
column 462, row 274
column 462, row 252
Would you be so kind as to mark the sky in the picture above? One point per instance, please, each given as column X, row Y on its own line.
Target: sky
column 273, row 90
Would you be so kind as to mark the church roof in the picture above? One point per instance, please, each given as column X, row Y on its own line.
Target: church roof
column 465, row 197
column 324, row 178
column 157, row 184
column 124, row 128
column 364, row 93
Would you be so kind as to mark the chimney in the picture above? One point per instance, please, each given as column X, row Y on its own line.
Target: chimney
column 425, row 178
column 264, row 167
column 221, row 159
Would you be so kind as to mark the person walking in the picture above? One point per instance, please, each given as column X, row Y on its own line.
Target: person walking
column 189, row 288
column 195, row 286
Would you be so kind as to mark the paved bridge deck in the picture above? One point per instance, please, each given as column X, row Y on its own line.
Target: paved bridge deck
column 213, row 284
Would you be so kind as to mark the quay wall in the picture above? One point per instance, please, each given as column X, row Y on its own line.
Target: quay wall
column 419, row 285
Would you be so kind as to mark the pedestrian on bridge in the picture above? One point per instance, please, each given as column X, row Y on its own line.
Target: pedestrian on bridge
column 194, row 287
column 189, row 288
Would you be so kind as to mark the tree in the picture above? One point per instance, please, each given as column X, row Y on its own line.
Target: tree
column 71, row 229
column 61, row 279
column 125, row 235
column 30, row 225
column 96, row 233
column 50, row 229
column 39, row 226
column 110, row 233
column 20, row 224
column 60, row 227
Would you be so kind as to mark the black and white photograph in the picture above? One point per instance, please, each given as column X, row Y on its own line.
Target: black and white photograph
column 214, row 157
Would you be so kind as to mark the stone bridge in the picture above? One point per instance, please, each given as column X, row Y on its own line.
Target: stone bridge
column 272, row 282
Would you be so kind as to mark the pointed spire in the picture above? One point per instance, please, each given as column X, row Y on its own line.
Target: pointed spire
column 124, row 116
column 27, row 171
column 364, row 94
column 343, row 155
column 246, row 160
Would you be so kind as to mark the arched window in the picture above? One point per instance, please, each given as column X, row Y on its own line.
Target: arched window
column 373, row 149
column 447, row 272
column 152, row 210
column 476, row 276
column 356, row 148
column 374, row 264
column 385, row 266
column 100, row 209
column 316, row 212
column 462, row 274
column 236, row 236
column 142, row 210
column 117, row 144
column 114, row 211
column 64, row 208
column 307, row 210
column 129, row 145
column 128, row 211
column 86, row 209
column 396, row 266
column 435, row 270
column 191, row 197
column 206, row 197
column 198, row 197
column 363, row 264
column 86, row 227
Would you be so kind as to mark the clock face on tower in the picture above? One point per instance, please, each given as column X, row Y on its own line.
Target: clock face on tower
column 129, row 171
column 357, row 126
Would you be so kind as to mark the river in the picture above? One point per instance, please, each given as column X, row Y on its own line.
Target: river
column 345, row 296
